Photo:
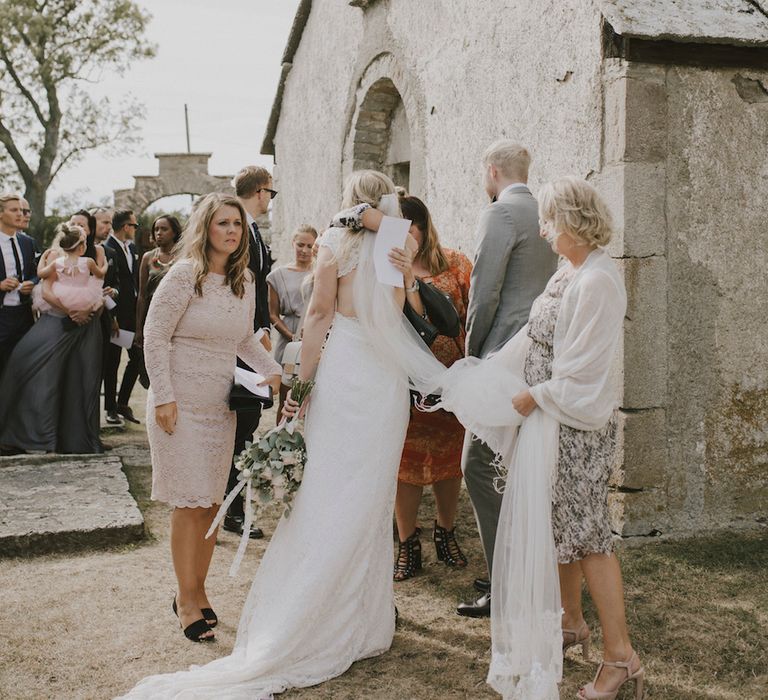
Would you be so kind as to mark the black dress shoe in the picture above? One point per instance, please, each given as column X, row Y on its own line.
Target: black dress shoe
column 476, row 608
column 234, row 523
column 482, row 585
column 113, row 418
column 127, row 413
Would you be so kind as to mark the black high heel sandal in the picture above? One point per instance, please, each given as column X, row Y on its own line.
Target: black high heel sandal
column 408, row 557
column 208, row 615
column 447, row 547
column 197, row 629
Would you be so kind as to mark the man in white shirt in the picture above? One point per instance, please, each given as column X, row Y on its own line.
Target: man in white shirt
column 17, row 275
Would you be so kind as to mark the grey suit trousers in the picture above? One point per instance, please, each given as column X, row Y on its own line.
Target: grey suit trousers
column 479, row 475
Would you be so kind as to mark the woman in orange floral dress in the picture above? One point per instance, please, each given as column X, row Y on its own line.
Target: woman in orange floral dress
column 433, row 445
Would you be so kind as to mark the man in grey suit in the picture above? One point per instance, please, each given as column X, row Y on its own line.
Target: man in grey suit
column 511, row 268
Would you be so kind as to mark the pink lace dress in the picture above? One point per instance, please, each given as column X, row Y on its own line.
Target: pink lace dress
column 75, row 287
column 191, row 344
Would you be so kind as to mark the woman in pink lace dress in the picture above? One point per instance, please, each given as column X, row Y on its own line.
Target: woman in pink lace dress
column 200, row 320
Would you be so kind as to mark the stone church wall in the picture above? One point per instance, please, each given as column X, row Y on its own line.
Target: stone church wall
column 680, row 154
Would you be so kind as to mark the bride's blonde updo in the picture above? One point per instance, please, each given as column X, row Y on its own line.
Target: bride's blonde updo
column 366, row 187
column 361, row 187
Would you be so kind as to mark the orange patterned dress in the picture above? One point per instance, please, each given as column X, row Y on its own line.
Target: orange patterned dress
column 433, row 445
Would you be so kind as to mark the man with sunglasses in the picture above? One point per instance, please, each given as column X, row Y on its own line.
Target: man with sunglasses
column 120, row 241
column 253, row 187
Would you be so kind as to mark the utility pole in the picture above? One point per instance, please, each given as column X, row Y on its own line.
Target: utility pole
column 189, row 149
column 186, row 122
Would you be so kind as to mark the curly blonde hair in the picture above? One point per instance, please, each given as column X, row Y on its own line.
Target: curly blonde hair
column 571, row 205
column 194, row 243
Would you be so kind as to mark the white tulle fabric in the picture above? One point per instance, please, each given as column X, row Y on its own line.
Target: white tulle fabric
column 526, row 653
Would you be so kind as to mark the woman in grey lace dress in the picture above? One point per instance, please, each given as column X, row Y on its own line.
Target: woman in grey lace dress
column 576, row 222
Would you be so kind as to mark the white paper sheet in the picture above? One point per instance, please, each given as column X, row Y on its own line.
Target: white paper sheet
column 250, row 380
column 124, row 339
column 109, row 302
column 391, row 234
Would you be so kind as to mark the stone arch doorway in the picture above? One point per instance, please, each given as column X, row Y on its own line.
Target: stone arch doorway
column 178, row 173
column 382, row 139
column 386, row 124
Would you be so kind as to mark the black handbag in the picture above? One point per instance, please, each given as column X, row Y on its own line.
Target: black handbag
column 440, row 310
column 442, row 317
column 240, row 399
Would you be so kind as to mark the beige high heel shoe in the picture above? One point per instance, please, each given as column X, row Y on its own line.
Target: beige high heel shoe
column 577, row 637
column 588, row 692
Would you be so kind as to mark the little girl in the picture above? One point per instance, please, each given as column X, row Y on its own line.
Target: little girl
column 76, row 280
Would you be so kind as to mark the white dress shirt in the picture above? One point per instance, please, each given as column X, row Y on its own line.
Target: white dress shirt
column 124, row 246
column 7, row 243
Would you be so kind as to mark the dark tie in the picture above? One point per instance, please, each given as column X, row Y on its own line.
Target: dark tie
column 257, row 238
column 19, row 268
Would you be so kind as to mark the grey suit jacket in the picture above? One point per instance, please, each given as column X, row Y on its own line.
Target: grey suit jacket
column 511, row 268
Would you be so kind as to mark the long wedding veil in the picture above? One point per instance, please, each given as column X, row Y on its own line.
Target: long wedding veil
column 525, row 607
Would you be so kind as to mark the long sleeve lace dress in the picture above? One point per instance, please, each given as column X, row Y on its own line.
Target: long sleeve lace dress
column 191, row 344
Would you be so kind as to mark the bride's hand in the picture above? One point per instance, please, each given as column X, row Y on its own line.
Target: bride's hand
column 291, row 408
column 523, row 403
column 402, row 258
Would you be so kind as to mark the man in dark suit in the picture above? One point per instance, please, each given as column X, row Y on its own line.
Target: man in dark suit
column 120, row 241
column 253, row 187
column 18, row 275
column 109, row 325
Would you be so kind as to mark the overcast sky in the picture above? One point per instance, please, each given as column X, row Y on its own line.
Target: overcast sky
column 221, row 58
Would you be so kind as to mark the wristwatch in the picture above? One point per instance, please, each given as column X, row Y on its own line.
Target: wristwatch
column 415, row 287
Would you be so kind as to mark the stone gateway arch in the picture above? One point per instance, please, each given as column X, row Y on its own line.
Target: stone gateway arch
column 179, row 173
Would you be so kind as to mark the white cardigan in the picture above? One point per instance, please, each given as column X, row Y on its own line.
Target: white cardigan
column 581, row 393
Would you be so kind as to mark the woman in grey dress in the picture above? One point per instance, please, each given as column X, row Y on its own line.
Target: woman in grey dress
column 288, row 294
column 49, row 395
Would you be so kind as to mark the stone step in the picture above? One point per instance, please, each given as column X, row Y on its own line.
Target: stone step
column 57, row 503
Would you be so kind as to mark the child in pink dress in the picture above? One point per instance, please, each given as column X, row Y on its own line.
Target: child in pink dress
column 77, row 281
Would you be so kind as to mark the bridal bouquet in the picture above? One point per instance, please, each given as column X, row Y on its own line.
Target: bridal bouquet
column 271, row 470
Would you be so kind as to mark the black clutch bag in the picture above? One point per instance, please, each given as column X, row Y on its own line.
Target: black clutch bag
column 424, row 328
column 240, row 399
column 440, row 310
column 442, row 317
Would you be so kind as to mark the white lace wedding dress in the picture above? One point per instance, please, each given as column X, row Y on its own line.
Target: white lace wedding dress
column 322, row 597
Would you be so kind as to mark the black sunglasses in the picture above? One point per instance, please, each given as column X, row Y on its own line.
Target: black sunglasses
column 272, row 193
column 26, row 211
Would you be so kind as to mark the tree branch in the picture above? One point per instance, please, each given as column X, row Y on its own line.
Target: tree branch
column 19, row 84
column 7, row 140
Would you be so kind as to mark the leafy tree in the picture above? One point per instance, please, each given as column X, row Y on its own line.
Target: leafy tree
column 50, row 49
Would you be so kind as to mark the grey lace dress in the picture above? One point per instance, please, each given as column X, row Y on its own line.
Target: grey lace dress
column 580, row 518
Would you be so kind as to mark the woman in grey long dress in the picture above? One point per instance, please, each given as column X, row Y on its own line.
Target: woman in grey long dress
column 49, row 394
column 288, row 294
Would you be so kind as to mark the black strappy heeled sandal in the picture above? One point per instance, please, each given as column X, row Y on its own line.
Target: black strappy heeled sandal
column 208, row 615
column 198, row 628
column 447, row 547
column 408, row 557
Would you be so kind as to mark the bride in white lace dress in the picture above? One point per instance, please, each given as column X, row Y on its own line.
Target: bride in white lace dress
column 322, row 597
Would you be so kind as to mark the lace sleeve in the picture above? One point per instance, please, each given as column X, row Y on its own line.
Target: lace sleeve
column 169, row 303
column 350, row 218
column 250, row 349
